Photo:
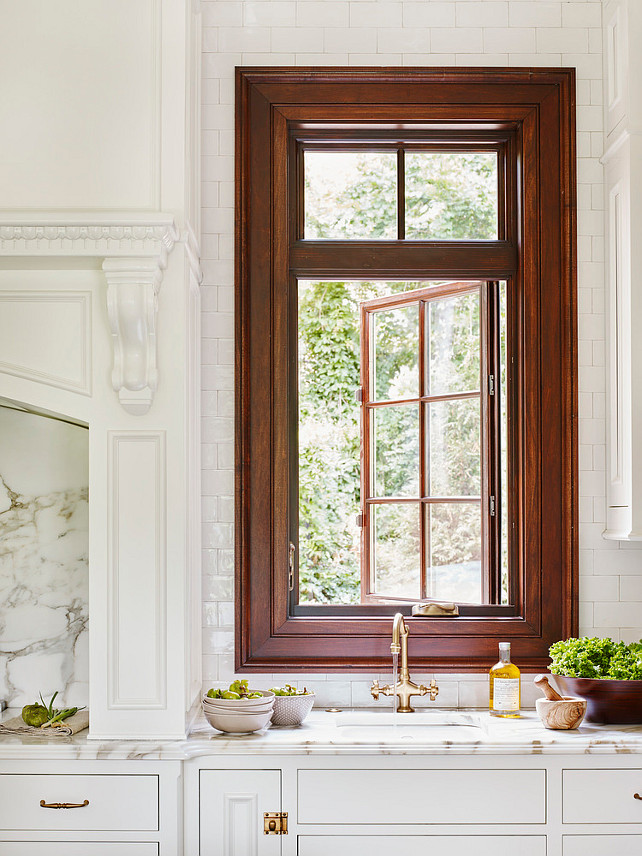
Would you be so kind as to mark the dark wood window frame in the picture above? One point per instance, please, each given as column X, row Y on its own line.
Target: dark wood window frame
column 534, row 108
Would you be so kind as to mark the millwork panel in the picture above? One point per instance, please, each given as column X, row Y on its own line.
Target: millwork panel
column 602, row 796
column 421, row 796
column 420, row 845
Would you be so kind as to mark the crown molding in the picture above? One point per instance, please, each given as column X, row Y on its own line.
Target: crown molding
column 87, row 234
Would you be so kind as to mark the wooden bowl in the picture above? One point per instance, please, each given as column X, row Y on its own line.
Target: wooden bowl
column 561, row 715
column 609, row 702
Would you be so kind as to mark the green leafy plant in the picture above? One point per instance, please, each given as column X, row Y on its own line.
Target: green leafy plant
column 597, row 658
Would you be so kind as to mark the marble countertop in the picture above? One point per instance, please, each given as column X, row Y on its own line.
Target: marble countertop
column 349, row 732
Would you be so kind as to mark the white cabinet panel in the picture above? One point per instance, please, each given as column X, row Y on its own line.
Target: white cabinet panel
column 115, row 802
column 421, row 796
column 232, row 803
column 421, row 845
column 599, row 845
column 78, row 848
column 602, row 796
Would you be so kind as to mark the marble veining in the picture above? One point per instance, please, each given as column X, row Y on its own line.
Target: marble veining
column 43, row 595
column 44, row 543
column 320, row 735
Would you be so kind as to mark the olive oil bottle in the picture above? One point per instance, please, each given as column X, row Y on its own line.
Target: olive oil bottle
column 504, row 685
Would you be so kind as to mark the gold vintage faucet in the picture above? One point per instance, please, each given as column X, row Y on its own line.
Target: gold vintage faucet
column 405, row 688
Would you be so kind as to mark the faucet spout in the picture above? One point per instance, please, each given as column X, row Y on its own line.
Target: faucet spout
column 404, row 688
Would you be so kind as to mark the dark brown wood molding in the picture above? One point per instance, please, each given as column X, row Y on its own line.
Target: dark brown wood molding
column 537, row 108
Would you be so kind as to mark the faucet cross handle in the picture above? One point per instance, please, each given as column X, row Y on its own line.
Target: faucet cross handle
column 374, row 690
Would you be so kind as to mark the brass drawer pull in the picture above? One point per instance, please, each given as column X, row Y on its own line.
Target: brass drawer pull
column 44, row 804
column 637, row 797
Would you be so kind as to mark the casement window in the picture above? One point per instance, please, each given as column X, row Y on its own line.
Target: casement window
column 406, row 371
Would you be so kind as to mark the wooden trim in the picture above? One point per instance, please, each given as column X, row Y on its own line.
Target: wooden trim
column 534, row 109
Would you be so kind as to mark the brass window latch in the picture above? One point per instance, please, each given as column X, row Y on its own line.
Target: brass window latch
column 275, row 823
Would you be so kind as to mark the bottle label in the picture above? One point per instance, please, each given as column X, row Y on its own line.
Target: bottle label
column 506, row 694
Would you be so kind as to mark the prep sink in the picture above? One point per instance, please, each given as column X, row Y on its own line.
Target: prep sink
column 436, row 726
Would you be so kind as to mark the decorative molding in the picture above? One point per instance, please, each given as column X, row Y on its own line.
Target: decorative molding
column 132, row 305
column 80, row 381
column 137, row 570
column 59, row 235
column 240, row 826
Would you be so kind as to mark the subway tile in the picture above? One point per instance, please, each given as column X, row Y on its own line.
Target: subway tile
column 631, row 588
column 414, row 40
column 509, row 39
column 269, row 14
column 488, row 13
column 473, row 693
column 457, row 40
column 581, row 15
column 245, row 39
column 432, row 14
column 352, row 41
column 535, row 14
column 618, row 614
column 332, row 693
column 601, row 588
column 321, row 59
column 563, row 39
column 297, row 39
column 222, row 14
column 381, row 13
column 322, row 14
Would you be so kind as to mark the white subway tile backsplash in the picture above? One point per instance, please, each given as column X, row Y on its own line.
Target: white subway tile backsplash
column 526, row 33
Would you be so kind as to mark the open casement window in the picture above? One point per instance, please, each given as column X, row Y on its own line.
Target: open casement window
column 431, row 441
column 408, row 235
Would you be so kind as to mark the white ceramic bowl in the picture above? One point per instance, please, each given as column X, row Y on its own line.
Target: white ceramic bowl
column 239, row 707
column 292, row 710
column 247, row 703
column 238, row 723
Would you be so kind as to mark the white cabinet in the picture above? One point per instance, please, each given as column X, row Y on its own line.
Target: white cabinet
column 602, row 796
column 405, row 796
column 623, row 177
column 78, row 848
column 600, row 845
column 421, row 845
column 232, row 804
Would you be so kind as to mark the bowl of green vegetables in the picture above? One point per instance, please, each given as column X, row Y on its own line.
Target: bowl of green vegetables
column 607, row 674
column 291, row 706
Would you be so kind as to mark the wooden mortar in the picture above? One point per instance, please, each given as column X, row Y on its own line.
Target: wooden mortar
column 558, row 712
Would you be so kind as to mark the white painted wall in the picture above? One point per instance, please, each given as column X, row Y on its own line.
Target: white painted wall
column 387, row 32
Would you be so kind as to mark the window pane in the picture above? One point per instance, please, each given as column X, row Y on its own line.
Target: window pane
column 395, row 353
column 453, row 552
column 503, row 387
column 329, row 435
column 452, row 344
column 395, row 465
column 453, row 460
column 451, row 196
column 395, row 547
column 350, row 195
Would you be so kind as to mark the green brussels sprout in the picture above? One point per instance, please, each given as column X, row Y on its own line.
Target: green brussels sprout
column 239, row 687
column 35, row 715
column 229, row 694
column 288, row 690
column 214, row 693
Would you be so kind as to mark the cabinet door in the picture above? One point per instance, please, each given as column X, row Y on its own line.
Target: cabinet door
column 598, row 845
column 232, row 803
column 423, row 845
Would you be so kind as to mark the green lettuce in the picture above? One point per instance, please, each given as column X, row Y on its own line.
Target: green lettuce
column 597, row 658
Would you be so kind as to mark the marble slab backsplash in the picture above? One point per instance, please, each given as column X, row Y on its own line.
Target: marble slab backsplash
column 43, row 561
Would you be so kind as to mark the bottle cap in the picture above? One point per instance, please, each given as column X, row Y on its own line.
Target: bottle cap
column 504, row 646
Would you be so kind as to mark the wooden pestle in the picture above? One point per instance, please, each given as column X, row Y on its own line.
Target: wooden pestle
column 550, row 692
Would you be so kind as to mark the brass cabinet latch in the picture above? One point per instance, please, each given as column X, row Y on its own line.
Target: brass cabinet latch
column 275, row 823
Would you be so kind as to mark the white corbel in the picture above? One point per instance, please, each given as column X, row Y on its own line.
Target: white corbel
column 132, row 304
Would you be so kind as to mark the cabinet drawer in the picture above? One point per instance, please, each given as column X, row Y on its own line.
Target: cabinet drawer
column 115, row 802
column 602, row 796
column 421, row 845
column 598, row 845
column 422, row 796
column 78, row 848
